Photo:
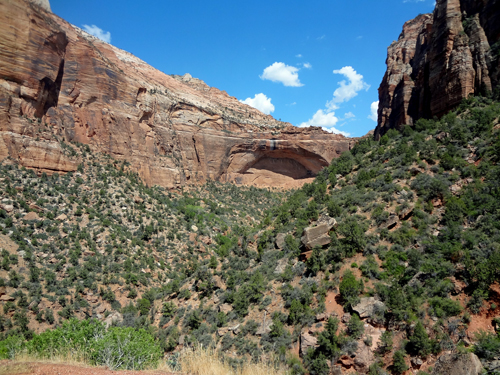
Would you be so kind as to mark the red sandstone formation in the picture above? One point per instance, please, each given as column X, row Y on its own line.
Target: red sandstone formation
column 439, row 60
column 60, row 84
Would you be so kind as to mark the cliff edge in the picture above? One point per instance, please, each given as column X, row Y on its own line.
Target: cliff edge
column 438, row 60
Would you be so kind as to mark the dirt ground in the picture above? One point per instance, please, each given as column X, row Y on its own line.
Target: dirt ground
column 38, row 368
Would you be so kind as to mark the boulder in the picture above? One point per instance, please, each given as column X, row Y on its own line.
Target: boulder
column 280, row 240
column 364, row 357
column 391, row 222
column 307, row 341
column 280, row 268
column 368, row 307
column 458, row 364
column 225, row 308
column 114, row 317
column 264, row 328
column 318, row 235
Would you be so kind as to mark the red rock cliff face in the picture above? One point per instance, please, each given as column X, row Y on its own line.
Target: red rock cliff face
column 438, row 60
column 58, row 83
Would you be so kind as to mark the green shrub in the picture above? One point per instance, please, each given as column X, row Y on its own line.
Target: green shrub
column 350, row 288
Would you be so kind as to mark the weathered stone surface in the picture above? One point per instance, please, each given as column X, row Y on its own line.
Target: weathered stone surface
column 58, row 81
column 318, row 234
column 458, row 364
column 368, row 307
column 438, row 60
column 307, row 341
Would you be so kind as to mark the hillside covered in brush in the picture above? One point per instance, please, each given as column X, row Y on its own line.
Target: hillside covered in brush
column 389, row 260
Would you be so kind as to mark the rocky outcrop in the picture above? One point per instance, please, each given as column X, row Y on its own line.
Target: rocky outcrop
column 438, row 60
column 59, row 84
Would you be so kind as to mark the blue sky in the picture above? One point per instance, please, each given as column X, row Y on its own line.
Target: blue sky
column 288, row 58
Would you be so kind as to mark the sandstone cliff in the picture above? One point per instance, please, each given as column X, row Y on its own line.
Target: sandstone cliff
column 438, row 60
column 60, row 84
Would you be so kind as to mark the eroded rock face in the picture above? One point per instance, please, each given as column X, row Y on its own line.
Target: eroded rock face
column 58, row 83
column 438, row 60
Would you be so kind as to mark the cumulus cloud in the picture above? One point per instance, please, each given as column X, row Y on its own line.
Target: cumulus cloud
column 348, row 89
column 349, row 115
column 374, row 111
column 261, row 102
column 285, row 74
column 324, row 119
column 307, row 65
column 98, row 33
column 299, row 55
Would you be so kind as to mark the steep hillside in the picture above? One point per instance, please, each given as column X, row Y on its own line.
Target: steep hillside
column 438, row 60
column 58, row 83
column 390, row 259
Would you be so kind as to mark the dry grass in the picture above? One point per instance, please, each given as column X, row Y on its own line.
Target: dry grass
column 77, row 358
column 201, row 361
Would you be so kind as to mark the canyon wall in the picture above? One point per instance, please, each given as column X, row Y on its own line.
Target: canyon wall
column 438, row 60
column 59, row 84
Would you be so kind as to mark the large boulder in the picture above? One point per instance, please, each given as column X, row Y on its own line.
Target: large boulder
column 458, row 364
column 368, row 307
column 318, row 234
column 307, row 341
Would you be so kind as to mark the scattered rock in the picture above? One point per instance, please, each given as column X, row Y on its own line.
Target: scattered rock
column 458, row 364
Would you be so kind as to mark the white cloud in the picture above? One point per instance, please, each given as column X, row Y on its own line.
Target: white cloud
column 321, row 37
column 307, row 65
column 374, row 111
column 299, row 55
column 279, row 72
column 98, row 33
column 261, row 102
column 349, row 115
column 325, row 120
column 349, row 90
